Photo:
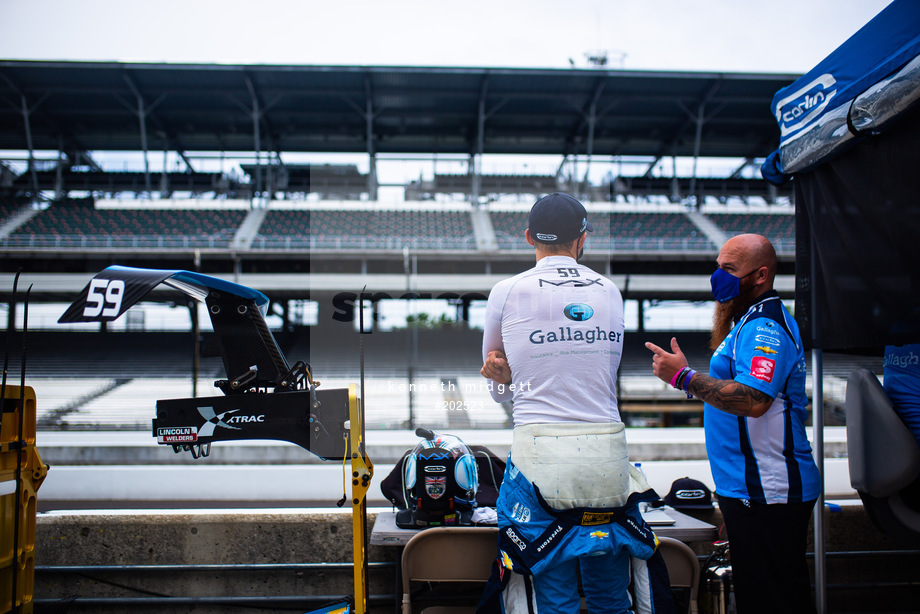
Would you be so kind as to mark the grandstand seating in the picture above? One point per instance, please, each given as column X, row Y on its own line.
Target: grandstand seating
column 81, row 224
column 779, row 228
column 285, row 228
column 634, row 231
column 113, row 381
column 721, row 188
column 78, row 223
column 509, row 228
column 496, row 184
column 123, row 355
column 772, row 226
column 363, row 229
column 329, row 181
column 114, row 182
column 90, row 380
column 7, row 209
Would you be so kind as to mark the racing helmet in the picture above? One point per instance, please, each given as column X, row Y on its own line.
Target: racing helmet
column 441, row 477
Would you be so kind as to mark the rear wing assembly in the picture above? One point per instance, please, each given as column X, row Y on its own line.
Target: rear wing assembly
column 264, row 397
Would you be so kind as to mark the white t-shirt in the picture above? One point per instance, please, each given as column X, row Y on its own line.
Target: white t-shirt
column 561, row 326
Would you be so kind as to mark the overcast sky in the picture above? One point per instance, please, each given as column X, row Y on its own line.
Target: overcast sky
column 705, row 35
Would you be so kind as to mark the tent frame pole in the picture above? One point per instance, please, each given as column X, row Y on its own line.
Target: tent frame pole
column 817, row 405
column 817, row 420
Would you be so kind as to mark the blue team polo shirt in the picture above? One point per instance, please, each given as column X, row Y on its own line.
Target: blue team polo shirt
column 902, row 383
column 766, row 459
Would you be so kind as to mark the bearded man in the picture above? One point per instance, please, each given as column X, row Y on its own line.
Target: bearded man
column 754, row 421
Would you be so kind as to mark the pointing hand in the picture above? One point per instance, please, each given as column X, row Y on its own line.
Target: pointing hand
column 665, row 364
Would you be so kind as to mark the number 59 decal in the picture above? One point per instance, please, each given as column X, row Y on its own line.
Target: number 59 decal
column 104, row 298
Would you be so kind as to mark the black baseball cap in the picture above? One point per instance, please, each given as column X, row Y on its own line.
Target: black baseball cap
column 558, row 218
column 688, row 493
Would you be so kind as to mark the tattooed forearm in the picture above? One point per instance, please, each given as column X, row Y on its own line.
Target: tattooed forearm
column 730, row 396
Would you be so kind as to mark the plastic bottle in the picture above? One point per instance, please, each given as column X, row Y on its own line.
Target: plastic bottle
column 638, row 466
column 643, row 506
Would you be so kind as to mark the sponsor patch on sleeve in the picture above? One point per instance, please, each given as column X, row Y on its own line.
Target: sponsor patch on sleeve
column 762, row 368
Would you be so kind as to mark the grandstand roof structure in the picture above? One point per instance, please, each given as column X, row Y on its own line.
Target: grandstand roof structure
column 78, row 108
column 82, row 106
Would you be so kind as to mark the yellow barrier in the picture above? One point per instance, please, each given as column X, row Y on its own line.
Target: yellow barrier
column 21, row 474
column 362, row 471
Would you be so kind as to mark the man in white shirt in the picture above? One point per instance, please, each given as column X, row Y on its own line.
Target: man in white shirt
column 552, row 342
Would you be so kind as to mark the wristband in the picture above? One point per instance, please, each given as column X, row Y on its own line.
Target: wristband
column 676, row 377
column 683, row 376
column 686, row 383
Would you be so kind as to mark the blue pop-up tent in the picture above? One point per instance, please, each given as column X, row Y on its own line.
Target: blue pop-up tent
column 857, row 90
column 849, row 137
column 850, row 141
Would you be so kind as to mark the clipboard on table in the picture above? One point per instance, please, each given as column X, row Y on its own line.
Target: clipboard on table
column 657, row 518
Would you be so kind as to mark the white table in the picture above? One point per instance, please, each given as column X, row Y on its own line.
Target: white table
column 684, row 528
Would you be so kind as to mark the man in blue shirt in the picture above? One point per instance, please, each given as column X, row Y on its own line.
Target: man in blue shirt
column 754, row 420
column 902, row 383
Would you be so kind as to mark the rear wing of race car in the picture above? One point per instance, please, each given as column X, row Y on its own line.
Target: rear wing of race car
column 265, row 397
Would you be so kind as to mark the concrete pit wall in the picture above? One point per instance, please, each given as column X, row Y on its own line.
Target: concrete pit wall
column 277, row 537
column 202, row 538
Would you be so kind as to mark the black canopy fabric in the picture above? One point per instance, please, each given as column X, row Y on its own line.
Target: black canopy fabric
column 858, row 244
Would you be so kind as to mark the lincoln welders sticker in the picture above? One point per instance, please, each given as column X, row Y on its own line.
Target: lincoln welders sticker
column 177, row 434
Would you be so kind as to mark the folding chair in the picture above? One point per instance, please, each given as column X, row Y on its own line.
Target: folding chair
column 683, row 569
column 448, row 554
column 884, row 458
